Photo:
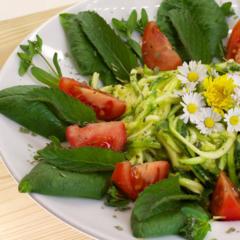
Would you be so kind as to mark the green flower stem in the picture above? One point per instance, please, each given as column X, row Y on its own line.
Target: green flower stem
column 49, row 65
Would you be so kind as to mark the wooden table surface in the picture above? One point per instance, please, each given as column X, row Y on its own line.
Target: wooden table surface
column 21, row 218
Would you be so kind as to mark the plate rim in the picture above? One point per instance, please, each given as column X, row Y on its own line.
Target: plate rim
column 89, row 232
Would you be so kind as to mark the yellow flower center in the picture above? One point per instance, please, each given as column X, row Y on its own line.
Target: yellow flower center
column 234, row 120
column 193, row 76
column 218, row 92
column 209, row 122
column 192, row 108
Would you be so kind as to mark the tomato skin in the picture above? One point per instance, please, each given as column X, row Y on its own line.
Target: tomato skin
column 148, row 173
column 225, row 201
column 233, row 45
column 157, row 50
column 133, row 180
column 106, row 106
column 105, row 134
column 122, row 178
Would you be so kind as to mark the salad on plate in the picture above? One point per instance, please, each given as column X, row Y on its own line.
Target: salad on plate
column 157, row 124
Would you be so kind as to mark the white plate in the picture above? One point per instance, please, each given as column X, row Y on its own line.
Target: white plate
column 87, row 215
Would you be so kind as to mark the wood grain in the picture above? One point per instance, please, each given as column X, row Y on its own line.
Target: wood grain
column 13, row 31
column 21, row 218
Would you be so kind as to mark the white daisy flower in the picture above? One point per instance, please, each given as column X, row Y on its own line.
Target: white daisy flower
column 236, row 77
column 236, row 96
column 191, row 74
column 232, row 118
column 209, row 122
column 192, row 104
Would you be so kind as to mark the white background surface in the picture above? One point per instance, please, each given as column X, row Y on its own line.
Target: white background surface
column 15, row 8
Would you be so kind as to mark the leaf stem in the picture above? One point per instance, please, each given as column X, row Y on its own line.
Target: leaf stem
column 49, row 65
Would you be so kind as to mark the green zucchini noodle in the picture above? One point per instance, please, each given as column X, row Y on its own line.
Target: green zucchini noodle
column 156, row 132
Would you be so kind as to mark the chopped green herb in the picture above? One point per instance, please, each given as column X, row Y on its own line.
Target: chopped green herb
column 24, row 130
column 122, row 209
column 119, row 228
column 115, row 198
column 231, row 230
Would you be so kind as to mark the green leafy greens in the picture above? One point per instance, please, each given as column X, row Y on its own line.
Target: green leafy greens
column 195, row 28
column 83, row 52
column 125, row 29
column 32, row 49
column 118, row 57
column 197, row 223
column 45, row 111
column 163, row 209
column 47, row 179
column 84, row 159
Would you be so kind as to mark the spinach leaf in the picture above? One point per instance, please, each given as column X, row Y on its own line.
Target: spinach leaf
column 135, row 46
column 84, row 159
column 163, row 196
column 132, row 21
column 200, row 40
column 197, row 224
column 118, row 57
column 18, row 90
column 67, row 108
column 192, row 37
column 125, row 29
column 167, row 28
column 47, row 179
column 143, row 21
column 120, row 26
column 35, row 116
column 43, row 110
column 83, row 52
column 165, row 223
column 45, row 77
column 163, row 209
column 125, row 32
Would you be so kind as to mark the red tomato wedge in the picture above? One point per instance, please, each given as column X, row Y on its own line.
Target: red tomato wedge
column 133, row 180
column 122, row 178
column 106, row 106
column 149, row 173
column 110, row 135
column 157, row 51
column 233, row 45
column 225, row 200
